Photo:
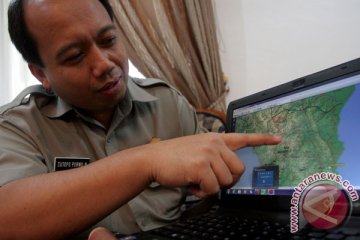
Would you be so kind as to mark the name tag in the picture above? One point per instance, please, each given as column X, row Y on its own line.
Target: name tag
column 64, row 163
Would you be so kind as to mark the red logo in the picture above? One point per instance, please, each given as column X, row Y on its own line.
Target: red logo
column 325, row 206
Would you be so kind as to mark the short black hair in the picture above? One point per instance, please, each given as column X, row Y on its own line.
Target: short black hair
column 20, row 35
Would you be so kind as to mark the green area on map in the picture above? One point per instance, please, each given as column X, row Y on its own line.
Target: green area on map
column 309, row 129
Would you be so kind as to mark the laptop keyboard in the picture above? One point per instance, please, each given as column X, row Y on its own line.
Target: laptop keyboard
column 213, row 226
column 222, row 227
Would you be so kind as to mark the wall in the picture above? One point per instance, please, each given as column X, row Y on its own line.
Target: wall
column 266, row 43
column 4, row 52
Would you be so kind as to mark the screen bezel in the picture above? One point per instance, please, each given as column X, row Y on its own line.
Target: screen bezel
column 326, row 76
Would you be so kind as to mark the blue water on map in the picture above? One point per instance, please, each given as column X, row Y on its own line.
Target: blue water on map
column 250, row 160
column 349, row 134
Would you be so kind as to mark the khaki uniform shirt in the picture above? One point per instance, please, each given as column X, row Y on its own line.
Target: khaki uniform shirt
column 38, row 127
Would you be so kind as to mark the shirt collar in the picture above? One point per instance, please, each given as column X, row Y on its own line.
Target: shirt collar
column 59, row 107
column 138, row 94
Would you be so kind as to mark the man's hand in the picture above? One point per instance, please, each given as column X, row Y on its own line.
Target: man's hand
column 101, row 234
column 205, row 162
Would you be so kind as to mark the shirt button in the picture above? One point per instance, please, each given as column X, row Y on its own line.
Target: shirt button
column 143, row 222
column 109, row 138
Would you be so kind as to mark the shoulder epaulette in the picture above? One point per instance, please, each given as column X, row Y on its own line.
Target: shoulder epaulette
column 23, row 97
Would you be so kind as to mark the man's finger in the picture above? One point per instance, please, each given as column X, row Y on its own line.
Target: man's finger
column 101, row 234
column 207, row 184
column 239, row 140
column 235, row 165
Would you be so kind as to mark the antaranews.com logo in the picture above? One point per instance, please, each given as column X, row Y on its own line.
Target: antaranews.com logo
column 323, row 200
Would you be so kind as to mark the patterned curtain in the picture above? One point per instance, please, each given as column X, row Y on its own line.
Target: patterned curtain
column 175, row 40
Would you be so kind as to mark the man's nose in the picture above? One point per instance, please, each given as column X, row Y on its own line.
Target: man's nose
column 101, row 65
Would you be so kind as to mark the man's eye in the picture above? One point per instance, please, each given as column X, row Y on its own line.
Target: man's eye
column 109, row 41
column 74, row 58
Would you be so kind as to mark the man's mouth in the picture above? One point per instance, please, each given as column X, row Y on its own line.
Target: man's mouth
column 108, row 86
column 112, row 88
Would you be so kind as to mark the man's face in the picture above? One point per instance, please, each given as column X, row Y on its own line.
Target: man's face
column 85, row 62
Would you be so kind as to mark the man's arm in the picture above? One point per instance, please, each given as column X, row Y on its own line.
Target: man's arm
column 60, row 204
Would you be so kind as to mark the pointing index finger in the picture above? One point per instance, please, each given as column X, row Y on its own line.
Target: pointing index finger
column 240, row 140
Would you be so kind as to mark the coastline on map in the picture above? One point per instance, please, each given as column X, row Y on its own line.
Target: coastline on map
column 250, row 160
column 349, row 130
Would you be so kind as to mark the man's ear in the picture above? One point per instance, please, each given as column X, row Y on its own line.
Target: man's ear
column 38, row 72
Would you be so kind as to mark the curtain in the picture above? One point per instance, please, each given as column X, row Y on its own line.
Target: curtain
column 175, row 40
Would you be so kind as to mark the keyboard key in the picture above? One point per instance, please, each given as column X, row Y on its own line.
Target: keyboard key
column 334, row 236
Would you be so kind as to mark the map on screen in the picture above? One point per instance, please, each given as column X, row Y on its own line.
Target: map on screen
column 318, row 134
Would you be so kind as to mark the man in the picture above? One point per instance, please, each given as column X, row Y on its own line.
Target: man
column 89, row 110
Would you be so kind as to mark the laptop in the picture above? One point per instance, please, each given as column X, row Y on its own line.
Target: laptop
column 306, row 187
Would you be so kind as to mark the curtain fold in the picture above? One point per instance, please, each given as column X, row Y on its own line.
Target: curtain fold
column 175, row 40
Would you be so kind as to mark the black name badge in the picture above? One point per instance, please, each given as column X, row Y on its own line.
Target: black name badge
column 64, row 163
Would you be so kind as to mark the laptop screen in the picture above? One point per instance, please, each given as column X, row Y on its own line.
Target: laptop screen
column 318, row 119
